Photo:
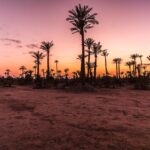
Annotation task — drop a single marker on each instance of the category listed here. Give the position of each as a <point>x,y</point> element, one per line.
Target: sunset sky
<point>124,29</point>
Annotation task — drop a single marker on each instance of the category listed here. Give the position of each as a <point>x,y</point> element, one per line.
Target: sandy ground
<point>111,119</point>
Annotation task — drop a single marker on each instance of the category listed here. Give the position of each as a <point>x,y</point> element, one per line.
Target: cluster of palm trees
<point>81,19</point>
<point>93,48</point>
<point>134,68</point>
<point>117,61</point>
<point>38,56</point>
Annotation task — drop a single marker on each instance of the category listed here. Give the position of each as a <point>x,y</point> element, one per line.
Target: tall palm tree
<point>129,64</point>
<point>141,63</point>
<point>38,56</point>
<point>35,67</point>
<point>133,67</point>
<point>134,57</point>
<point>115,60</point>
<point>22,68</point>
<point>105,54</point>
<point>119,62</point>
<point>46,46</point>
<point>82,20</point>
<point>89,43</point>
<point>56,61</point>
<point>140,56</point>
<point>96,50</point>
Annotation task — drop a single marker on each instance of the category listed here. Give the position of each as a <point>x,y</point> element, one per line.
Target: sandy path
<point>110,119</point>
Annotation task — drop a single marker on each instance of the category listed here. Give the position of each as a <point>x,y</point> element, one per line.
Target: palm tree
<point>140,56</point>
<point>52,70</point>
<point>56,61</point>
<point>35,67</point>
<point>129,64</point>
<point>140,66</point>
<point>134,57</point>
<point>66,73</point>
<point>7,72</point>
<point>119,62</point>
<point>22,68</point>
<point>38,56</point>
<point>115,60</point>
<point>75,75</point>
<point>43,72</point>
<point>59,73</point>
<point>148,57</point>
<point>133,66</point>
<point>105,54</point>
<point>96,50</point>
<point>82,20</point>
<point>46,46</point>
<point>88,43</point>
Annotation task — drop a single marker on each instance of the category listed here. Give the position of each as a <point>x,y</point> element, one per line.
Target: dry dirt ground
<point>110,119</point>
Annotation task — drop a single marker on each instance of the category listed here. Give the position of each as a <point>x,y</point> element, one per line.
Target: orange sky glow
<point>124,29</point>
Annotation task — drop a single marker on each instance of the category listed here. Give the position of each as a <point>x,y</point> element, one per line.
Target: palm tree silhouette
<point>89,43</point>
<point>66,73</point>
<point>35,67</point>
<point>140,56</point>
<point>105,54</point>
<point>46,46</point>
<point>134,57</point>
<point>22,68</point>
<point>119,62</point>
<point>43,72</point>
<point>38,56</point>
<point>133,66</point>
<point>56,61</point>
<point>96,50</point>
<point>140,66</point>
<point>115,60</point>
<point>7,72</point>
<point>59,73</point>
<point>82,20</point>
<point>129,64</point>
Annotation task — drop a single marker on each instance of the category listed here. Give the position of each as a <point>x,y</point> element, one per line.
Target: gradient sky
<point>124,29</point>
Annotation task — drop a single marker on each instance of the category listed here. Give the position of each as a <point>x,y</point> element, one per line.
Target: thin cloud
<point>7,44</point>
<point>19,46</point>
<point>11,40</point>
<point>32,46</point>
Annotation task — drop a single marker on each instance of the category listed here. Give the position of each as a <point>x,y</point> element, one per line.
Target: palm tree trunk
<point>88,74</point>
<point>83,59</point>
<point>48,69</point>
<point>106,66</point>
<point>141,65</point>
<point>135,69</point>
<point>38,70</point>
<point>95,67</point>
<point>119,70</point>
<point>56,70</point>
<point>130,70</point>
<point>35,71</point>
<point>116,70</point>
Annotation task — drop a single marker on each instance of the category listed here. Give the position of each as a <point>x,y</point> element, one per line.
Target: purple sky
<point>124,29</point>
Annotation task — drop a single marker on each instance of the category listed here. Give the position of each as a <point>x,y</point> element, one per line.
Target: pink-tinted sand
<point>110,119</point>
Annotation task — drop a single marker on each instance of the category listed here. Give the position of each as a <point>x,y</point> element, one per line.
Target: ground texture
<point>110,119</point>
